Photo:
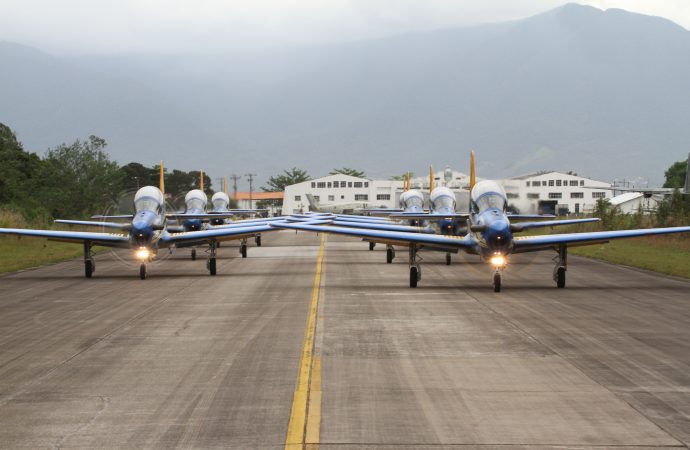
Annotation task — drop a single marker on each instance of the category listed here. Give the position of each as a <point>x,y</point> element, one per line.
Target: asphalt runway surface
<point>304,346</point>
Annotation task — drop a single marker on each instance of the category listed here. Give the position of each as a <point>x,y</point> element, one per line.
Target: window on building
<point>331,198</point>
<point>527,184</point>
<point>361,197</point>
<point>558,182</point>
<point>313,184</point>
<point>336,184</point>
<point>577,208</point>
<point>582,182</point>
<point>533,195</point>
<point>550,182</point>
<point>383,196</point>
<point>358,184</point>
<point>298,198</point>
<point>565,182</point>
<point>577,195</point>
<point>598,194</point>
<point>555,195</point>
<point>366,184</point>
<point>321,184</point>
<point>317,198</point>
<point>329,184</point>
<point>512,195</point>
<point>342,197</point>
<point>573,182</point>
<point>349,184</point>
<point>536,183</point>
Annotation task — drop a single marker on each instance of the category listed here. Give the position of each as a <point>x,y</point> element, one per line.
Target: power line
<point>234,179</point>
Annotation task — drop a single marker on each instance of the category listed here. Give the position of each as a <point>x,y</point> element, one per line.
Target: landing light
<point>498,260</point>
<point>142,253</point>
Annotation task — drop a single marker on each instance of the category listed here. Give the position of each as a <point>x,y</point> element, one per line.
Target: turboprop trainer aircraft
<point>489,235</point>
<point>145,235</point>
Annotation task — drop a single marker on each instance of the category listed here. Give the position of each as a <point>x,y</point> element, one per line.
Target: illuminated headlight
<point>498,260</point>
<point>143,253</point>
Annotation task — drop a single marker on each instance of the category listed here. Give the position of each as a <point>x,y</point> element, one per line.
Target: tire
<point>193,254</point>
<point>243,250</point>
<point>212,266</point>
<point>88,268</point>
<point>413,277</point>
<point>447,259</point>
<point>371,246</point>
<point>497,282</point>
<point>142,271</point>
<point>560,277</point>
<point>257,239</point>
<point>389,255</point>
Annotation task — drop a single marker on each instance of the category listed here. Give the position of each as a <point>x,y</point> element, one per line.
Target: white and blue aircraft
<point>489,235</point>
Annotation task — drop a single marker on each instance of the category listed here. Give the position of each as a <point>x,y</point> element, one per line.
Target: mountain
<point>603,93</point>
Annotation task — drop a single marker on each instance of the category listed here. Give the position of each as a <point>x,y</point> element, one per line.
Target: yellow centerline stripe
<point>309,376</point>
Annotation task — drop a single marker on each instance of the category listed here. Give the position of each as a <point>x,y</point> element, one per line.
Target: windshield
<point>490,201</point>
<point>195,203</point>
<point>219,203</point>
<point>414,201</point>
<point>444,201</point>
<point>146,203</point>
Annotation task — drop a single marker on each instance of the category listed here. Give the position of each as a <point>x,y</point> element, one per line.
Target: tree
<point>136,175</point>
<point>675,175</point>
<point>19,172</point>
<point>348,171</point>
<point>402,177</point>
<point>288,177</point>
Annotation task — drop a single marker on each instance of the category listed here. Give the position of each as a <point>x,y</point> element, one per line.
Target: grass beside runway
<point>23,253</point>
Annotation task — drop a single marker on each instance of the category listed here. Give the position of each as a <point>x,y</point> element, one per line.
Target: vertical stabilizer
<point>686,188</point>
<point>201,180</point>
<point>313,204</point>
<point>431,178</point>
<point>225,185</point>
<point>161,181</point>
<point>473,178</point>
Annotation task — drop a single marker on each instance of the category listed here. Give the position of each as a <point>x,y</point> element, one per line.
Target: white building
<point>554,193</point>
<point>632,202</point>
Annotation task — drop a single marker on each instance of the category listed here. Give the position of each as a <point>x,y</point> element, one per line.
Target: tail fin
<point>225,185</point>
<point>431,178</point>
<point>313,204</point>
<point>201,180</point>
<point>687,177</point>
<point>161,181</point>
<point>473,178</point>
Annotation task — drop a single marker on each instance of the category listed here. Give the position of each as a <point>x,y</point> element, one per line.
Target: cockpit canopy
<point>220,200</point>
<point>411,198</point>
<point>488,194</point>
<point>442,197</point>
<point>195,199</point>
<point>148,198</point>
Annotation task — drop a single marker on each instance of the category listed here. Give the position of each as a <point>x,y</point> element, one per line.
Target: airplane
<point>489,235</point>
<point>334,208</point>
<point>145,234</point>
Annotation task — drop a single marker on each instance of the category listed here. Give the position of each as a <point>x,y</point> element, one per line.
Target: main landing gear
<point>193,254</point>
<point>448,259</point>
<point>497,280</point>
<point>561,266</point>
<point>89,262</point>
<point>371,246</point>
<point>390,254</point>
<point>415,268</point>
<point>211,263</point>
<point>257,240</point>
<point>243,248</point>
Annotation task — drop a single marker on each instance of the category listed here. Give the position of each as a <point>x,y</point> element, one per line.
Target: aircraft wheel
<point>371,246</point>
<point>257,239</point>
<point>217,244</point>
<point>560,277</point>
<point>193,254</point>
<point>497,282</point>
<point>414,274</point>
<point>142,271</point>
<point>389,255</point>
<point>212,266</point>
<point>88,268</point>
<point>447,259</point>
<point>243,250</point>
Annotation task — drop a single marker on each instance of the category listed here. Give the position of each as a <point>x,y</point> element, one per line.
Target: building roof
<point>624,198</point>
<point>546,172</point>
<point>260,196</point>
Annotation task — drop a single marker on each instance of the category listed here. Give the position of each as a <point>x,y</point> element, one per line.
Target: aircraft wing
<point>404,238</point>
<point>78,237</point>
<point>382,226</point>
<point>521,217</point>
<point>429,216</point>
<point>121,216</point>
<point>549,223</point>
<point>533,243</point>
<point>96,223</point>
<point>209,216</point>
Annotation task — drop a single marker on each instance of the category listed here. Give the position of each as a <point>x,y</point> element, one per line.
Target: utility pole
<point>234,184</point>
<point>251,186</point>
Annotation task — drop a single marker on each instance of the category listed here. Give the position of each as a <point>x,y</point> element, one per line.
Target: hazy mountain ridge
<point>599,92</point>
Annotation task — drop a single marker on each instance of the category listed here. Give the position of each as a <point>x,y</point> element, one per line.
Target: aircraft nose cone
<point>499,236</point>
<point>141,231</point>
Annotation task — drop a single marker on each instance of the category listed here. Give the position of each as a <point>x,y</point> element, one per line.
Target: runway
<point>185,360</point>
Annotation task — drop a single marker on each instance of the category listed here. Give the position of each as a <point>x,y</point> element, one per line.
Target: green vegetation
<point>675,175</point>
<point>278,183</point>
<point>348,171</point>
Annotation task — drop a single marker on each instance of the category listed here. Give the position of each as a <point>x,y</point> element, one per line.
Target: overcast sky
<point>97,26</point>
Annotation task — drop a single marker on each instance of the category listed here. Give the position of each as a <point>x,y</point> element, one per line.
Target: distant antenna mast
<point>234,179</point>
<point>251,186</point>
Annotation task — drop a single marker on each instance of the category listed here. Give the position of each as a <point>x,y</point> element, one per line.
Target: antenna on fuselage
<point>431,179</point>
<point>473,178</point>
<point>161,181</point>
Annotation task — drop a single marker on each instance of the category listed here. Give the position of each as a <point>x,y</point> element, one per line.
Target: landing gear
<point>211,263</point>
<point>447,259</point>
<point>415,269</point>
<point>371,246</point>
<point>142,271</point>
<point>243,248</point>
<point>193,254</point>
<point>497,281</point>
<point>257,240</point>
<point>390,254</point>
<point>561,266</point>
<point>89,263</point>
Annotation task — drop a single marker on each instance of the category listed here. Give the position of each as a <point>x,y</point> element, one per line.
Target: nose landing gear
<point>415,268</point>
<point>561,266</point>
<point>89,262</point>
<point>497,281</point>
<point>390,254</point>
<point>211,263</point>
<point>142,271</point>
